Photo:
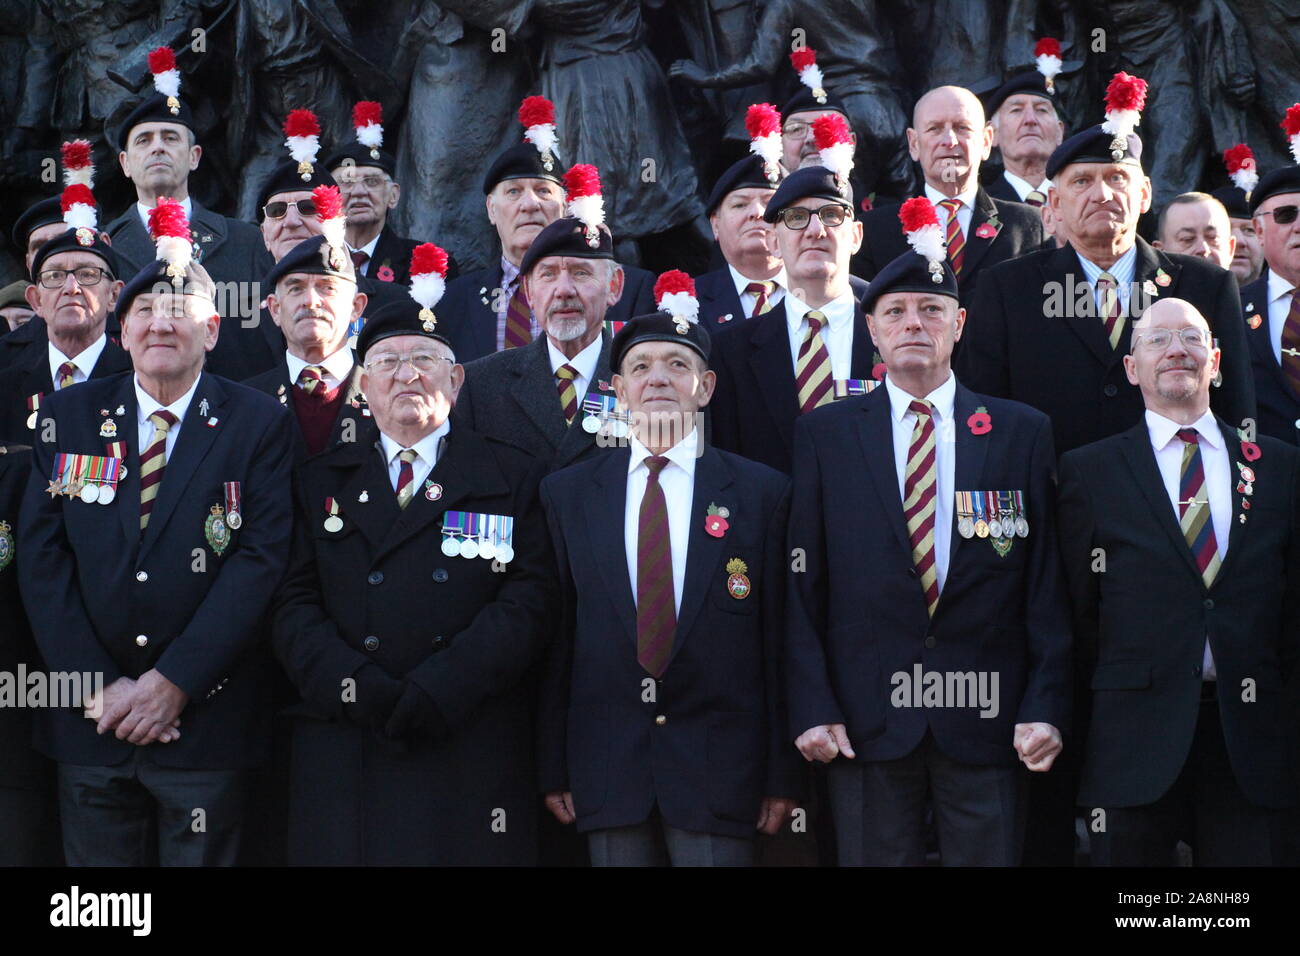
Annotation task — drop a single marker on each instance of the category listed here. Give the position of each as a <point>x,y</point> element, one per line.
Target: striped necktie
<point>359,259</point>
<point>953,235</point>
<point>1194,507</point>
<point>67,375</point>
<point>919,483</point>
<point>406,477</point>
<point>812,367</point>
<point>152,462</point>
<point>564,376</point>
<point>311,379</point>
<point>1035,198</point>
<point>519,322</point>
<point>1291,344</point>
<point>761,292</point>
<point>1109,305</point>
<point>656,613</point>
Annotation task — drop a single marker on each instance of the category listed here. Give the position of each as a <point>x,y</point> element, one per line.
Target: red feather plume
<point>802,58</point>
<point>673,281</point>
<point>1126,92</point>
<point>76,154</point>
<point>1237,157</point>
<point>329,202</point>
<point>367,112</point>
<point>301,123</point>
<point>830,129</point>
<point>161,59</point>
<point>1047,46</point>
<point>427,258</point>
<point>168,219</point>
<point>582,179</point>
<point>536,111</point>
<point>1291,122</point>
<point>917,213</point>
<point>74,194</point>
<point>762,119</point>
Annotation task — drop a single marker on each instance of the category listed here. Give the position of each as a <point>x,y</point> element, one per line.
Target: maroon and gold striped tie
<point>919,483</point>
<point>1291,343</point>
<point>152,462</point>
<point>67,375</point>
<point>760,291</point>
<point>953,235</point>
<point>1112,315</point>
<point>406,477</point>
<point>1035,198</point>
<point>1194,507</point>
<point>519,323</point>
<point>812,367</point>
<point>656,611</point>
<point>311,379</point>
<point>564,376</point>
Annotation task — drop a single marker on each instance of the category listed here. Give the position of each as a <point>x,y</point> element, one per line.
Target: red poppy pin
<point>1250,451</point>
<point>385,273</point>
<point>1255,321</point>
<point>715,521</point>
<point>980,422</point>
<point>868,202</point>
<point>986,230</point>
<point>1163,278</point>
<point>878,371</point>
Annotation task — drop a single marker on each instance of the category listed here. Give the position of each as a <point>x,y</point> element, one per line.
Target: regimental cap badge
<point>1125,97</point>
<point>368,120</point>
<point>166,78</point>
<point>675,294</point>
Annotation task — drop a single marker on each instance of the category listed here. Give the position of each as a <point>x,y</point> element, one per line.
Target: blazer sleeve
<point>811,699</point>
<point>981,355</point>
<point>1077,533</point>
<point>785,765</point>
<point>47,579</point>
<point>1048,688</point>
<point>230,618</point>
<point>508,635</point>
<point>1234,400</point>
<point>304,636</point>
<point>557,669</point>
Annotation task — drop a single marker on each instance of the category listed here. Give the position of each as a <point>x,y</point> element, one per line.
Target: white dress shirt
<point>147,405</point>
<point>1123,270</point>
<point>903,421</point>
<point>1279,305</point>
<point>85,361</point>
<point>963,214</point>
<point>426,450</point>
<point>747,299</point>
<point>1168,450</point>
<point>677,479</point>
<point>144,210</point>
<point>369,250</point>
<point>1023,188</point>
<point>836,331</point>
<point>338,367</point>
<point>584,363</point>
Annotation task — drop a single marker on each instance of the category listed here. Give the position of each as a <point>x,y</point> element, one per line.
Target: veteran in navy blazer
<point>902,581</point>
<point>161,588</point>
<point>759,396</point>
<point>662,714</point>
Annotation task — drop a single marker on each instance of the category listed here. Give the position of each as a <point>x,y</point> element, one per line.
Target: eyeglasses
<point>1159,339</point>
<point>422,362</point>
<point>370,182</point>
<point>796,129</point>
<point>278,209</point>
<point>798,217</point>
<point>1282,215</point>
<point>86,276</point>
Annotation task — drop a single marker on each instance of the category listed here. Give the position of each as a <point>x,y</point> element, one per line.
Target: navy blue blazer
<point>468,307</point>
<point>710,741</point>
<point>1278,406</point>
<point>755,403</point>
<point>719,304</point>
<point>93,585</point>
<point>857,613</point>
<point>231,250</point>
<point>30,375</point>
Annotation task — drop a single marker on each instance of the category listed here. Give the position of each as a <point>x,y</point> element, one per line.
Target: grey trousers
<point>879,810</point>
<point>655,843</point>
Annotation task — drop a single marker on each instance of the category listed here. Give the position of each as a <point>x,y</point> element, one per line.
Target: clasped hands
<point>139,711</point>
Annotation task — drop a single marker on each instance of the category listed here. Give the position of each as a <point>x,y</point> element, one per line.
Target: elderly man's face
<point>159,157</point>
<point>418,393</point>
<point>798,145</point>
<point>314,311</point>
<point>949,137</point>
<point>818,252</point>
<point>1280,241</point>
<point>1176,371</point>
<point>520,209</point>
<point>1248,257</point>
<point>915,331</point>
<point>570,295</point>
<point>1100,202</point>
<point>739,227</point>
<point>167,334</point>
<point>368,193</point>
<point>663,378</point>
<point>1199,229</point>
<point>71,309</point>
<point>281,235</point>
<point>1028,128</point>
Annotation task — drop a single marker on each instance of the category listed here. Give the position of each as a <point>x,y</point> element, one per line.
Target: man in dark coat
<point>370,192</point>
<point>1026,129</point>
<point>414,743</point>
<point>1194,708</point>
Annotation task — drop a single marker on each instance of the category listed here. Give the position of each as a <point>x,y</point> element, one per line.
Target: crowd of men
<point>956,528</point>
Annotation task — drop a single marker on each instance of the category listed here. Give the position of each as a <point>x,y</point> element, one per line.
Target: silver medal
<point>468,549</point>
<point>591,424</point>
<point>89,493</point>
<point>106,494</point>
<point>965,527</point>
<point>505,553</point>
<point>333,524</point>
<point>1022,528</point>
<point>450,547</point>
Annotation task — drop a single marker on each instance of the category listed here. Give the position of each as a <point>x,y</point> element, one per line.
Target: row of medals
<point>470,547</point>
<point>90,492</point>
<point>1010,525</point>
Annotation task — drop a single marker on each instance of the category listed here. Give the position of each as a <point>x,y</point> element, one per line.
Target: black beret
<point>657,327</point>
<point>816,182</point>
<point>44,213</point>
<point>522,161</point>
<point>803,101</point>
<point>362,156</point>
<point>312,257</point>
<point>83,239</point>
<point>1092,145</point>
<point>285,178</point>
<point>1026,81</point>
<point>566,237</point>
<point>910,272</point>
<point>154,110</point>
<point>1234,200</point>
<point>152,275</point>
<point>399,317</point>
<point>749,173</point>
<point>1275,182</point>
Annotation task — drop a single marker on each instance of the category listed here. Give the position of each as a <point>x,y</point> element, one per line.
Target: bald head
<point>949,138</point>
<point>1169,313</point>
<point>1171,359</point>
